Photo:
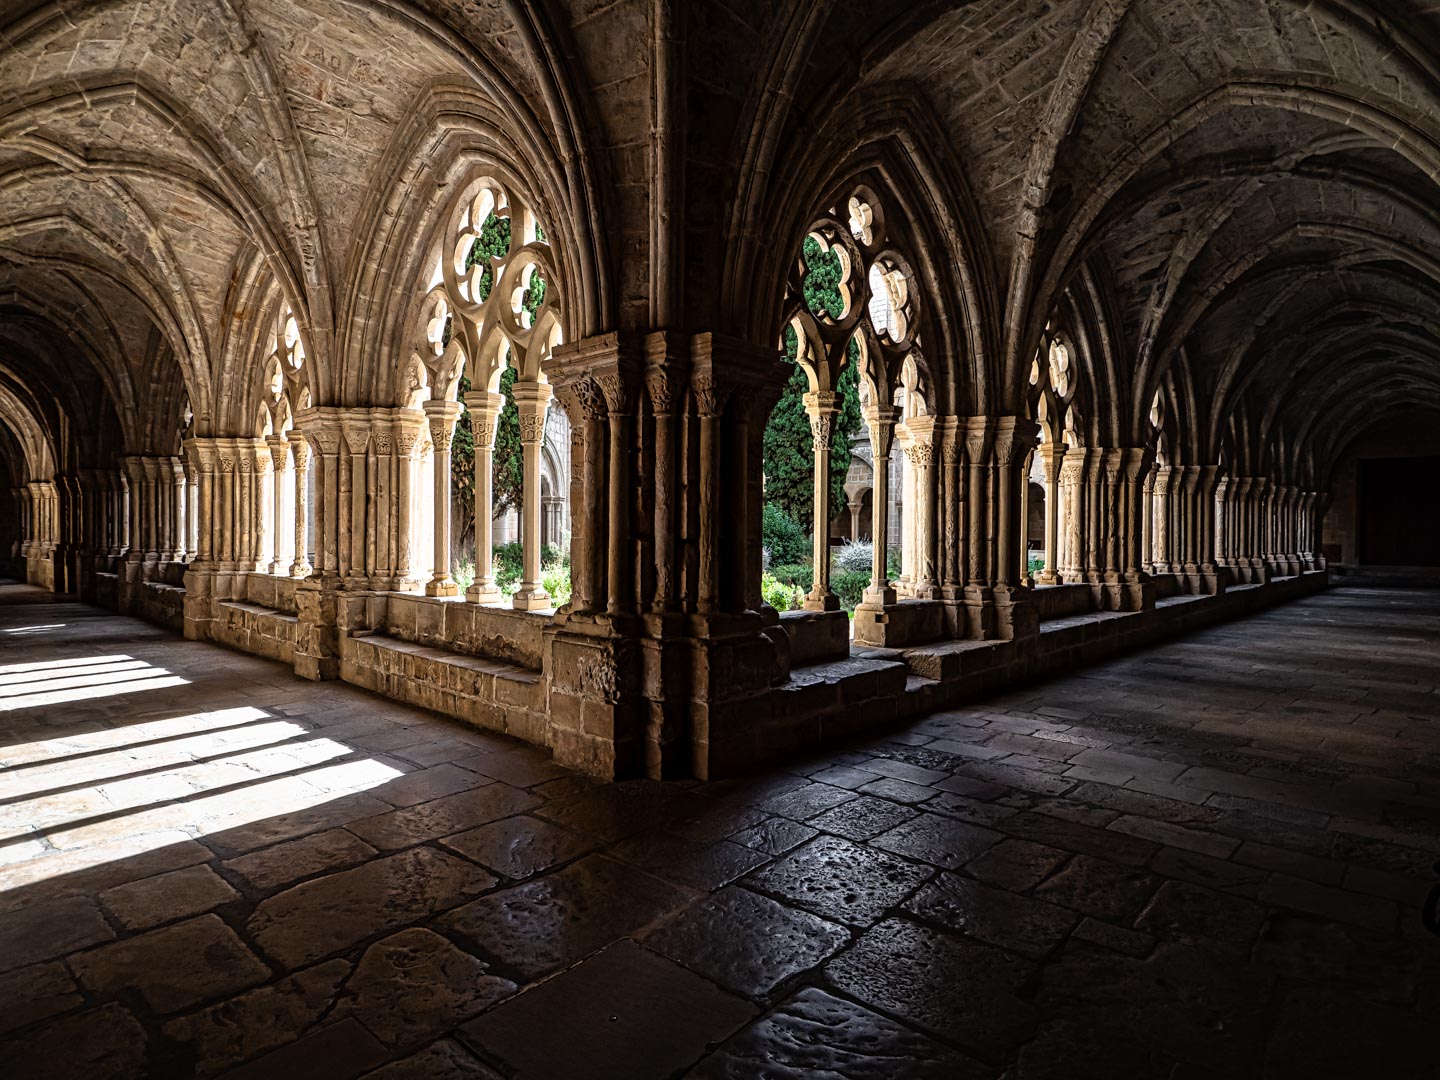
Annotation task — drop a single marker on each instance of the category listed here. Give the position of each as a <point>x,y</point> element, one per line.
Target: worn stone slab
<point>284,863</point>
<point>551,921</point>
<point>519,847</point>
<point>413,985</point>
<point>841,880</point>
<point>45,931</point>
<point>628,1014</point>
<point>746,942</point>
<point>416,824</point>
<point>1020,924</point>
<point>142,904</point>
<point>34,993</point>
<point>225,1035</point>
<point>326,915</point>
<point>815,1034</point>
<point>909,971</point>
<point>184,965</point>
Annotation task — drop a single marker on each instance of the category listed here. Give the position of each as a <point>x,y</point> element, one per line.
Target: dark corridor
<point>1399,514</point>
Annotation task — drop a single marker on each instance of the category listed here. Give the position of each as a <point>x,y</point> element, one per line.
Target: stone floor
<point>1206,860</point>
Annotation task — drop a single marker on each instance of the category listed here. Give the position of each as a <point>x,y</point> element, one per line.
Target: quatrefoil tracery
<point>500,290</point>
<point>879,301</point>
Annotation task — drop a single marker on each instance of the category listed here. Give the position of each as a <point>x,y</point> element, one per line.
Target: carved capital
<point>710,395</point>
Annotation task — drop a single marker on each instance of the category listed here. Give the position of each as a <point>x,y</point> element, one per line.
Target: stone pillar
<point>1051,460</point>
<point>282,553</point>
<point>442,416</point>
<point>979,602</point>
<point>920,453</point>
<point>300,449</point>
<point>881,422</point>
<point>663,384</point>
<point>180,507</point>
<point>533,401</point>
<point>822,407</point>
<point>710,398</point>
<point>485,408</point>
<point>950,430</point>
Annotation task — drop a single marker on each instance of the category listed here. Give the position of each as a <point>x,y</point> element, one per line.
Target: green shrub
<point>779,595</point>
<point>555,577</point>
<point>509,565</point>
<point>1036,565</point>
<point>785,542</point>
<point>850,587</point>
<point>797,575</point>
<point>464,573</point>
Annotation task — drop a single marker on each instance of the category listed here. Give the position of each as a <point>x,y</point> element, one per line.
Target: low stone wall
<point>1061,601</point>
<point>486,693</point>
<point>271,592</point>
<point>816,636</point>
<point>255,628</point>
<point>499,633</point>
<point>157,602</point>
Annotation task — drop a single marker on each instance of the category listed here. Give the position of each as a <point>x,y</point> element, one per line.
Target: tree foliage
<point>789,448</point>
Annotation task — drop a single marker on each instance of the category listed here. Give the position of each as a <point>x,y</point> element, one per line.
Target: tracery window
<point>487,330</point>
<point>1058,460</point>
<point>283,497</point>
<point>850,326</point>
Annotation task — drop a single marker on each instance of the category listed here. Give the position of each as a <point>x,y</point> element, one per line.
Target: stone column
<point>663,384</point>
<point>920,453</point>
<point>1051,460</point>
<point>616,384</point>
<point>181,507</point>
<point>300,448</point>
<point>822,407</point>
<point>485,408</point>
<point>282,494</point>
<point>881,422</point>
<point>442,416</point>
<point>710,398</point>
<point>409,426</point>
<point>951,433</point>
<point>262,501</point>
<point>532,400</point>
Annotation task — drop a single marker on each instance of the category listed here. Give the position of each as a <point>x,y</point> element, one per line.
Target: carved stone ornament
<point>822,427</point>
<point>532,427</point>
<point>591,398</point>
<point>441,434</point>
<point>384,443</point>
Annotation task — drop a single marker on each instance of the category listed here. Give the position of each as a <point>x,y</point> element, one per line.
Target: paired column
<point>282,506</point>
<point>880,419</point>
<point>822,407</point>
<point>300,450</point>
<point>533,400</point>
<point>442,416</point>
<point>485,408</point>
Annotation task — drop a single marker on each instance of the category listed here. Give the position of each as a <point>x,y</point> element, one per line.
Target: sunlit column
<point>880,420</point>
<point>532,399</point>
<point>282,492</point>
<point>485,408</point>
<point>920,453</point>
<point>442,416</point>
<point>1052,458</point>
<point>822,407</point>
<point>300,568</point>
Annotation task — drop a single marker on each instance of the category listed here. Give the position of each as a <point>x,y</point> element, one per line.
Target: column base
<point>534,598</point>
<point>896,625</point>
<point>818,601</point>
<point>484,594</point>
<point>874,597</point>
<point>442,588</point>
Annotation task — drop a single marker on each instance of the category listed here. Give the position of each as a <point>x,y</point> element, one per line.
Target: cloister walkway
<point>1208,859</point>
